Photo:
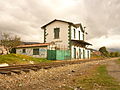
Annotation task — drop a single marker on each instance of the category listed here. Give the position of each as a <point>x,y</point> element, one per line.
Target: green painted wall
<point>58,54</point>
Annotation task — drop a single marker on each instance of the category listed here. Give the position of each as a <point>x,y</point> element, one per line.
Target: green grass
<point>100,80</point>
<point>118,61</point>
<point>94,56</point>
<point>20,59</point>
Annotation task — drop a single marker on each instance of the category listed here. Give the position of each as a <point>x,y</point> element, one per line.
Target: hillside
<point>113,49</point>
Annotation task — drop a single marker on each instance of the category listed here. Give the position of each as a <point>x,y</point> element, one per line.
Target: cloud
<point>103,17</point>
<point>25,17</point>
<point>110,42</point>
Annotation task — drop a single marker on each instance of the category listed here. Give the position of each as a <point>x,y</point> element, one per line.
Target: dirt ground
<point>52,79</point>
<point>114,70</point>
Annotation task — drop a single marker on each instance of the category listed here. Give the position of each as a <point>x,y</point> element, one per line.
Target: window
<point>83,36</point>
<point>24,51</point>
<point>35,51</point>
<point>56,33</point>
<point>83,54</point>
<point>79,35</point>
<point>74,33</point>
<point>80,53</point>
<point>88,55</point>
<point>74,53</point>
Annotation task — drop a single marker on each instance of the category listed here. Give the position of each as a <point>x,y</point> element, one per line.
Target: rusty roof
<point>33,45</point>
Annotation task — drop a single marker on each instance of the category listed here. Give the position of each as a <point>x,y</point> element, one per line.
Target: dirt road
<point>114,70</point>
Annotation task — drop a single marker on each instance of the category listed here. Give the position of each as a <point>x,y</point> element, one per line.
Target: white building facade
<point>69,36</point>
<point>34,50</point>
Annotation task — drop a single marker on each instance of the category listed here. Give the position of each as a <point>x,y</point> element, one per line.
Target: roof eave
<point>43,27</point>
<point>86,43</point>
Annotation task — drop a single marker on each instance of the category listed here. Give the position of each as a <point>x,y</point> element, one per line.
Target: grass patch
<point>94,56</point>
<point>20,59</point>
<point>98,80</point>
<point>118,61</point>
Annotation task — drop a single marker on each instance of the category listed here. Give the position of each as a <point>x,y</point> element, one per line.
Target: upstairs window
<point>56,33</point>
<point>79,35</point>
<point>80,53</point>
<point>24,51</point>
<point>83,36</point>
<point>74,33</point>
<point>35,51</point>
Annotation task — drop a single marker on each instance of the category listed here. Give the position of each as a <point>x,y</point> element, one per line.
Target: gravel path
<point>114,70</point>
<point>51,79</point>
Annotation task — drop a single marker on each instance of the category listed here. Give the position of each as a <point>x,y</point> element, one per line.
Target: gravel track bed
<point>46,79</point>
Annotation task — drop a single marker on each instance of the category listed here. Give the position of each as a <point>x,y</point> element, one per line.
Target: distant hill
<point>114,49</point>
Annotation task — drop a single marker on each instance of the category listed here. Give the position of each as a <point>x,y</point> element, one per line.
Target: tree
<point>114,54</point>
<point>9,42</point>
<point>117,54</point>
<point>104,51</point>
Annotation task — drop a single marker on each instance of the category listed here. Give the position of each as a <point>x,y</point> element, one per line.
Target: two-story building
<point>60,36</point>
<point>67,35</point>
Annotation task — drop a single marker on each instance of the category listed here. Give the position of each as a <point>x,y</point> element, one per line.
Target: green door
<point>80,53</point>
<point>88,55</point>
<point>74,53</point>
<point>83,54</point>
<point>51,54</point>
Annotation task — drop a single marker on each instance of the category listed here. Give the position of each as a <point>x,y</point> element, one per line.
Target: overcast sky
<point>25,17</point>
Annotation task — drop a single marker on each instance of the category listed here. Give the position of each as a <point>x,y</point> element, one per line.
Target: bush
<point>104,51</point>
<point>114,54</point>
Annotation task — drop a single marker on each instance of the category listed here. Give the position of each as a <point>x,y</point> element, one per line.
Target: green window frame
<point>83,54</point>
<point>79,35</point>
<point>74,33</point>
<point>80,53</point>
<point>36,51</point>
<point>88,54</point>
<point>83,36</point>
<point>56,33</point>
<point>74,53</point>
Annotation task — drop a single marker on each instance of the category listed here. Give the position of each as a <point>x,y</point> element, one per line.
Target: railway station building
<point>67,36</point>
<point>62,40</point>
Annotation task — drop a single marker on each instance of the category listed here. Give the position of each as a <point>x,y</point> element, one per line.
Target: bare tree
<point>9,42</point>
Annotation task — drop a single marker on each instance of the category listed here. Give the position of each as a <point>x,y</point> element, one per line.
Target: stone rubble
<point>46,79</point>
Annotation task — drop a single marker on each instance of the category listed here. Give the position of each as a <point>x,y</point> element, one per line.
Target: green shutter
<point>79,35</point>
<point>56,33</point>
<point>83,37</point>
<point>74,33</point>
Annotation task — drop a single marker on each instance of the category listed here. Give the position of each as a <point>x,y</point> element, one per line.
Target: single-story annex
<point>35,50</point>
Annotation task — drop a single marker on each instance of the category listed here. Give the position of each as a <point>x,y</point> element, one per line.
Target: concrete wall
<point>63,40</point>
<point>29,52</point>
<point>76,33</point>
